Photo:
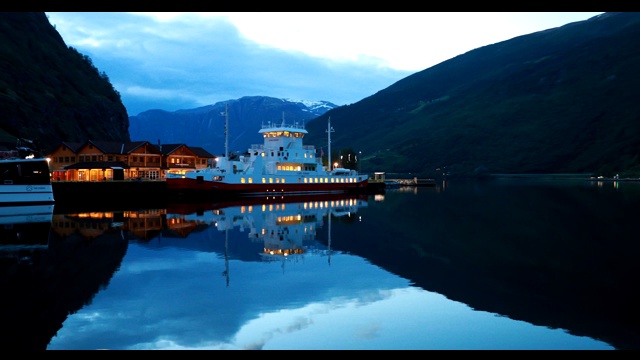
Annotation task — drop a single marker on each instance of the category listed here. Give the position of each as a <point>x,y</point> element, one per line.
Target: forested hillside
<point>564,100</point>
<point>50,92</point>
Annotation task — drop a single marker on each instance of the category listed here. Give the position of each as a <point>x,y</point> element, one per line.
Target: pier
<point>415,182</point>
<point>379,177</point>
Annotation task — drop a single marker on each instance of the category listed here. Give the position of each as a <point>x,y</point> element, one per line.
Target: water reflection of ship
<point>286,226</point>
<point>24,229</point>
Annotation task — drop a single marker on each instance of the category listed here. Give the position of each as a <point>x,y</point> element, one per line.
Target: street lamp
<point>49,167</point>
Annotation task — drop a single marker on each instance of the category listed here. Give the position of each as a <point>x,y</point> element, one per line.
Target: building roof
<point>115,147</point>
<point>201,152</point>
<point>73,146</point>
<point>167,149</point>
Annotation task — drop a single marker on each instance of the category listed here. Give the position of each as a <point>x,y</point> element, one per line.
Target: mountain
<point>563,100</point>
<point>50,92</point>
<point>205,126</point>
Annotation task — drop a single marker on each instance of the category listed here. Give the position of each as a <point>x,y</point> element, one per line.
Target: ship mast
<point>329,131</point>
<point>226,130</point>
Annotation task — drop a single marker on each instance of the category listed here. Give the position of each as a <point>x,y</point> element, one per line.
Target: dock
<point>415,182</point>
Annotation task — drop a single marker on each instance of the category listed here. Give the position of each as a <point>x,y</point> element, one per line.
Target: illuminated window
<point>264,181</point>
<point>270,180</point>
<point>242,180</point>
<point>283,180</point>
<point>250,180</point>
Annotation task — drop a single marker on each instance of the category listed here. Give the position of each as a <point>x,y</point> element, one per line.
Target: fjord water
<point>482,264</point>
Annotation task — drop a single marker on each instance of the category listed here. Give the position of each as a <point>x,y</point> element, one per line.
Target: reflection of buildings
<point>142,224</point>
<point>282,224</point>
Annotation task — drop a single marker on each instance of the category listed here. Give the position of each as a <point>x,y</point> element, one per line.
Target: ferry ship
<point>281,165</point>
<point>24,181</point>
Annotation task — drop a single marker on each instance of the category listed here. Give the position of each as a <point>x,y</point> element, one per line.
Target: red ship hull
<point>187,186</point>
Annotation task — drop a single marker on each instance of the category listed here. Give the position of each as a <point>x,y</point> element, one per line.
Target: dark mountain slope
<point>561,100</point>
<point>50,92</point>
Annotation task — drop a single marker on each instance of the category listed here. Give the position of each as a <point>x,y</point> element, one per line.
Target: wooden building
<point>140,160</point>
<point>179,158</point>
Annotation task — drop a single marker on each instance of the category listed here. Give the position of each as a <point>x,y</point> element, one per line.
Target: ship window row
<point>327,180</point>
<point>272,180</point>
<point>264,180</point>
<point>289,167</point>
<point>286,155</point>
<point>272,134</point>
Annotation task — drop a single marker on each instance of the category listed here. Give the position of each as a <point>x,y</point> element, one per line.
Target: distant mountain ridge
<point>204,126</point>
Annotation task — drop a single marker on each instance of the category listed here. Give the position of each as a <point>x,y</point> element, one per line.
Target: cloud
<point>174,61</point>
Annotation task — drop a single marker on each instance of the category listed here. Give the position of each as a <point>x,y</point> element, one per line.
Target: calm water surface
<point>496,264</point>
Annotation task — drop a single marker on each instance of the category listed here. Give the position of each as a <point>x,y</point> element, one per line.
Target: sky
<point>173,61</point>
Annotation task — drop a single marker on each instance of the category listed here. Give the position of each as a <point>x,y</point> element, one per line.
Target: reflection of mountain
<point>526,254</point>
<point>45,277</point>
